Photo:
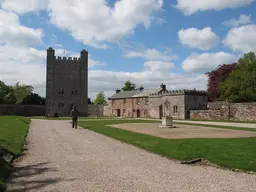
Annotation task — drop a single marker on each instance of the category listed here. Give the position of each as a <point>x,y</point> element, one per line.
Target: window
<point>145,112</point>
<point>138,101</point>
<point>146,101</point>
<point>123,111</point>
<point>175,109</point>
<point>113,102</point>
<point>74,92</point>
<point>61,105</point>
<point>61,92</point>
<point>113,111</point>
<point>125,102</point>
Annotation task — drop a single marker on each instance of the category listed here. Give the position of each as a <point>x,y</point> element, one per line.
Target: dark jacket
<point>74,113</point>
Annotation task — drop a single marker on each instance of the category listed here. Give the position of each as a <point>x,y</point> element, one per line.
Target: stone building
<point>155,103</point>
<point>66,84</point>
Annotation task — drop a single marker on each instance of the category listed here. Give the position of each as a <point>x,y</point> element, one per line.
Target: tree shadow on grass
<point>25,178</point>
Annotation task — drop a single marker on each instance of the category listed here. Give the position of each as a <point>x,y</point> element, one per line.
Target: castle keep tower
<point>66,84</point>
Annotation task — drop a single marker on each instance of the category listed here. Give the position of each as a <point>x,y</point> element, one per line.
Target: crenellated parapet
<point>67,58</point>
<point>179,92</point>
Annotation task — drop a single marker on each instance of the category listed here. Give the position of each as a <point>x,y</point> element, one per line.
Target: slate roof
<point>147,92</point>
<point>135,93</point>
<point>124,94</point>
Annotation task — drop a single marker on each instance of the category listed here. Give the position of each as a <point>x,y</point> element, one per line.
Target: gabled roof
<point>124,94</point>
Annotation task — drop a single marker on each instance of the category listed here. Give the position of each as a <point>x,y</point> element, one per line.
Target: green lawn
<point>13,131</point>
<point>230,153</point>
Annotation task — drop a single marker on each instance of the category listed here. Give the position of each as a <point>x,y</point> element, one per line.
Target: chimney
<point>118,90</point>
<point>162,86</point>
<point>141,88</point>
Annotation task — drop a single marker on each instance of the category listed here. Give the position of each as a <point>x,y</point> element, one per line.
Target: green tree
<point>129,86</point>
<point>100,98</point>
<point>21,91</point>
<point>7,95</point>
<point>33,99</point>
<point>240,86</point>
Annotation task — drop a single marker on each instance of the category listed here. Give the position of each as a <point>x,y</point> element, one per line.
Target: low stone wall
<point>227,111</point>
<point>22,110</point>
<point>208,115</point>
<point>95,110</point>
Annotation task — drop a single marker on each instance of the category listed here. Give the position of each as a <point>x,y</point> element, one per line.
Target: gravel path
<point>62,159</point>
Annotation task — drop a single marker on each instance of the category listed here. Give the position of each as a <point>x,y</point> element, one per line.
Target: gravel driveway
<point>62,159</point>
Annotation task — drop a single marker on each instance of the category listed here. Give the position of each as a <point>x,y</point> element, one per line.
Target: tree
<point>21,91</point>
<point>240,86</point>
<point>217,76</point>
<point>33,99</point>
<point>7,95</point>
<point>100,98</point>
<point>129,86</point>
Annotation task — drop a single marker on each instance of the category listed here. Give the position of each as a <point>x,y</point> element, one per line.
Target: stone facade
<point>66,84</point>
<point>226,111</point>
<point>155,105</point>
<point>22,110</point>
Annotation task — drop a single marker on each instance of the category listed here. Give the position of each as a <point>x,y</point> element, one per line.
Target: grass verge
<point>13,131</point>
<point>236,153</point>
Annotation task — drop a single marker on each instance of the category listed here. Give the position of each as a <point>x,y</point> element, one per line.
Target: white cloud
<point>189,7</point>
<point>158,66</point>
<point>150,54</point>
<point>242,39</point>
<point>203,39</point>
<point>242,20</point>
<point>12,32</point>
<point>22,7</point>
<point>110,24</point>
<point>207,61</point>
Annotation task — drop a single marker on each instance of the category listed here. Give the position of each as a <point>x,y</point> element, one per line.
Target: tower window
<point>72,92</point>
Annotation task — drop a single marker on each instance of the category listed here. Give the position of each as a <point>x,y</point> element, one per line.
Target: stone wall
<point>226,111</point>
<point>22,110</point>
<point>95,110</point>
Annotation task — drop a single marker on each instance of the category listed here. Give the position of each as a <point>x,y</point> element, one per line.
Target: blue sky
<point>148,42</point>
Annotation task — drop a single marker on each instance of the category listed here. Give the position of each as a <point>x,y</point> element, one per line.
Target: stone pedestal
<point>167,122</point>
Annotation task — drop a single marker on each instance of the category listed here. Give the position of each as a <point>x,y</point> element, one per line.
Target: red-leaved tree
<point>217,76</point>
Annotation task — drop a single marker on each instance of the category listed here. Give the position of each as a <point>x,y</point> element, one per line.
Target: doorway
<point>138,113</point>
<point>160,111</point>
<point>118,113</point>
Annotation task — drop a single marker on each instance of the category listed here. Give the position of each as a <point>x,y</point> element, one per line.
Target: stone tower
<point>66,84</point>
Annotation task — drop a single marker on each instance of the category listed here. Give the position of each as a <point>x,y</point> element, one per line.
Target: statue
<point>167,118</point>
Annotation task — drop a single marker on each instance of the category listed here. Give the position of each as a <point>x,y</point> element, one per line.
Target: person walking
<point>74,114</point>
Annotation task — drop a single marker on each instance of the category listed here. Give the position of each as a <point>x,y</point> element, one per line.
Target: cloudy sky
<point>147,41</point>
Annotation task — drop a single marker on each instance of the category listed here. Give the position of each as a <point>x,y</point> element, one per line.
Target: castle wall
<point>95,110</point>
<point>22,110</point>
